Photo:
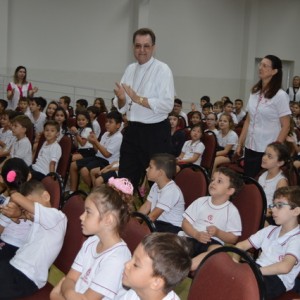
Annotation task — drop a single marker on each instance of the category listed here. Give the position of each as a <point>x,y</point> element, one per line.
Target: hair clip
<point>11,176</point>
<point>121,184</point>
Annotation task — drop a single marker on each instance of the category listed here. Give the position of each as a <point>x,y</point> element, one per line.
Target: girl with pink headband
<point>98,268</point>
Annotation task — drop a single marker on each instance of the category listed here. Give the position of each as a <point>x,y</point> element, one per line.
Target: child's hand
<point>212,230</point>
<point>73,130</point>
<point>193,107</point>
<point>12,211</point>
<point>202,237</point>
<point>35,89</point>
<point>92,138</point>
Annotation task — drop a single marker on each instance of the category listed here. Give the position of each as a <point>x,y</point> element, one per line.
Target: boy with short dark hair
<point>218,107</point>
<point>28,270</point>
<point>228,109</point>
<point>22,147</point>
<point>50,152</point>
<point>3,105</point>
<point>108,151</point>
<point>280,244</point>
<point>23,105</point>
<point>159,263</point>
<point>64,102</point>
<point>211,221</point>
<point>240,113</point>
<point>206,109</point>
<point>36,114</point>
<point>165,202</point>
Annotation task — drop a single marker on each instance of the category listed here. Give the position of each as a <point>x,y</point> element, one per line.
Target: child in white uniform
<point>212,221</point>
<point>275,157</point>
<point>28,270</point>
<point>6,136</point>
<point>279,260</point>
<point>108,152</point>
<point>98,267</point>
<point>36,115</point>
<point>12,235</point>
<point>159,263</point>
<point>49,154</point>
<point>227,141</point>
<point>165,202</point>
<point>81,133</point>
<point>22,148</point>
<point>192,150</point>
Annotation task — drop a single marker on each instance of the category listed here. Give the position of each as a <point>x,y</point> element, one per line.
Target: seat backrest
<point>219,277</point>
<point>134,231</point>
<point>101,118</point>
<point>208,157</point>
<point>74,238</point>
<point>53,185</point>
<point>181,123</point>
<point>63,165</point>
<point>251,204</point>
<point>193,184</point>
<point>39,146</point>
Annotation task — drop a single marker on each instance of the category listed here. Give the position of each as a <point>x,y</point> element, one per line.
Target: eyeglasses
<point>263,65</point>
<point>209,119</point>
<point>280,205</point>
<point>139,46</point>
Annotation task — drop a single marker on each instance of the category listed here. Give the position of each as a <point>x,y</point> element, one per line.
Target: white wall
<point>210,45</point>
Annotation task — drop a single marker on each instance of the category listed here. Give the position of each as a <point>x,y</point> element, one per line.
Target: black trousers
<point>13,283</point>
<point>252,164</point>
<point>140,142</point>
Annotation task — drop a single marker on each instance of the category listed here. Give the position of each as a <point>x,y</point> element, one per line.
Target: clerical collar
<point>148,63</point>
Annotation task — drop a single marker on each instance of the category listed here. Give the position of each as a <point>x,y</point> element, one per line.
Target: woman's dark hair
<point>14,173</point>
<point>276,81</point>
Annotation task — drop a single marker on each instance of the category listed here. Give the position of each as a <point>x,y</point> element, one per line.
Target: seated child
<point>239,112</point>
<point>49,154</point>
<point>23,105</point>
<point>192,150</point>
<point>6,136</point>
<point>22,147</point>
<point>177,135</point>
<point>275,157</point>
<point>165,203</point>
<point>280,244</point>
<point>228,109</point>
<point>212,221</point>
<point>28,270</point>
<point>81,133</point>
<point>97,270</point>
<point>159,263</point>
<point>227,141</point>
<point>36,114</point>
<point>12,234</point>
<point>211,123</point>
<point>94,112</point>
<point>108,151</point>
